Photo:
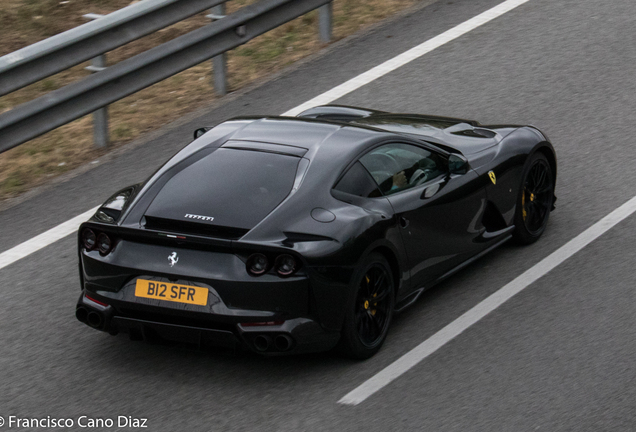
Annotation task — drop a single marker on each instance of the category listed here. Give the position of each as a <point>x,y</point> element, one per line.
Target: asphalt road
<point>558,356</point>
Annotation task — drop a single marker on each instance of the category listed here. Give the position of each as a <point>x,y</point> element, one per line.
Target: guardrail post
<point>100,117</point>
<point>219,63</point>
<point>324,22</point>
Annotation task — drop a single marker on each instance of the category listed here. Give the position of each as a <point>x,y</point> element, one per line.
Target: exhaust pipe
<point>262,343</point>
<point>94,319</point>
<point>81,313</point>
<point>283,342</point>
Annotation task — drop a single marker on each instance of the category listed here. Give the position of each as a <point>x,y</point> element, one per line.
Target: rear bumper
<point>307,316</point>
<point>147,322</point>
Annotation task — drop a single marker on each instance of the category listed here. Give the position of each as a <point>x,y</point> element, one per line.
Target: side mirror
<point>457,164</point>
<point>200,132</point>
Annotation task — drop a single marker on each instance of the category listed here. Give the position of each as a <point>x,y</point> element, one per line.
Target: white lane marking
<point>492,302</point>
<point>46,238</point>
<point>64,229</point>
<point>406,57</point>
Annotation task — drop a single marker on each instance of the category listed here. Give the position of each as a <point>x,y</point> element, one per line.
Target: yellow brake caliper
<point>523,204</point>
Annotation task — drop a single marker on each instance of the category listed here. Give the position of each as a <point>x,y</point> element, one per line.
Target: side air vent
<point>492,219</point>
<point>183,227</point>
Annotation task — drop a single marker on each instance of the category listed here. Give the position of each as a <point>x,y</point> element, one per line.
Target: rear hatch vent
<point>476,133</point>
<point>194,228</point>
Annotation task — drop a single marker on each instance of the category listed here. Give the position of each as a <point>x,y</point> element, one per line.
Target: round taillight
<point>257,264</point>
<point>103,243</point>
<point>286,265</point>
<point>89,239</point>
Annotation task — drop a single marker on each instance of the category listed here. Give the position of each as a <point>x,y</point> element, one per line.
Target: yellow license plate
<point>171,292</point>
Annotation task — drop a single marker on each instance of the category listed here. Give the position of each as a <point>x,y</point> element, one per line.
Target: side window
<point>397,167</point>
<point>358,182</point>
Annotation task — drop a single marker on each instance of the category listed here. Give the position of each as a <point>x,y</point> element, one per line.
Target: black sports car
<point>289,235</point>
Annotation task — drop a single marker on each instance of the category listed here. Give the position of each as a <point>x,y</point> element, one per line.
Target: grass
<point>24,22</point>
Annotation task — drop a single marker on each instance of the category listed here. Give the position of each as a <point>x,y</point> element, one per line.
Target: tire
<point>534,200</point>
<point>367,321</point>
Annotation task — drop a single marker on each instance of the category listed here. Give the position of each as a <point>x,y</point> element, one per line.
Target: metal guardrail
<point>73,101</point>
<point>72,47</point>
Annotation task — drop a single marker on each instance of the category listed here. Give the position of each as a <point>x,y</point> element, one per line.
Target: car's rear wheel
<point>368,318</point>
<point>534,202</point>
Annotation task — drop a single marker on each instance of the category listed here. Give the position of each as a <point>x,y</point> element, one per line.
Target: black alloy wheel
<point>535,200</point>
<point>372,303</point>
<point>368,319</point>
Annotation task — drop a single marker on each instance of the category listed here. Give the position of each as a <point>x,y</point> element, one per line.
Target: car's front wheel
<point>368,318</point>
<point>535,199</point>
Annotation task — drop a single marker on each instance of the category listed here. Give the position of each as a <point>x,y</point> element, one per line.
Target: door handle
<point>404,222</point>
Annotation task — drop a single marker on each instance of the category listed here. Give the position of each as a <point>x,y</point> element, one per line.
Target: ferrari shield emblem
<point>493,179</point>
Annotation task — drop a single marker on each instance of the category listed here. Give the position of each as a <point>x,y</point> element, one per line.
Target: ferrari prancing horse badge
<point>491,174</point>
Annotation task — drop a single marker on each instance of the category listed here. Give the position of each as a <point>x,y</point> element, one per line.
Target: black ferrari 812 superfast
<point>302,234</point>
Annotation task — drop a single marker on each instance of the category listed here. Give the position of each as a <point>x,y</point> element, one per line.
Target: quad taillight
<point>284,265</point>
<point>102,242</point>
<point>257,264</point>
<point>89,239</point>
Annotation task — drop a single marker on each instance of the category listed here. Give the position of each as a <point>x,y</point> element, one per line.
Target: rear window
<point>237,188</point>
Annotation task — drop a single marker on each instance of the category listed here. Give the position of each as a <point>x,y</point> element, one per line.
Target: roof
<point>450,134</point>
